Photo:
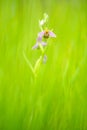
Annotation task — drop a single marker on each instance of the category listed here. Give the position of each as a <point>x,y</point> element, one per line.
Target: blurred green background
<point>57,100</point>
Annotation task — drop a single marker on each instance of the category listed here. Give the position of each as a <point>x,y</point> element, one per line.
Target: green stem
<point>29,64</point>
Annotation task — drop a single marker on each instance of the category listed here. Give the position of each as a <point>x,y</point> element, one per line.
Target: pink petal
<point>35,46</point>
<point>43,44</point>
<point>51,34</point>
<point>40,36</point>
<point>44,59</point>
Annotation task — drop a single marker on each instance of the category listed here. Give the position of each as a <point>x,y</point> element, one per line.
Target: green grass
<point>57,99</point>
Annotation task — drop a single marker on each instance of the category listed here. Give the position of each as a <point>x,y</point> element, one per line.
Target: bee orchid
<point>44,34</point>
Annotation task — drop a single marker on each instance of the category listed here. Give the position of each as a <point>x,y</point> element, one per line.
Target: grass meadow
<point>57,98</point>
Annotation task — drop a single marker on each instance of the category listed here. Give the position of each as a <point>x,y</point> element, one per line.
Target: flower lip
<point>46,34</point>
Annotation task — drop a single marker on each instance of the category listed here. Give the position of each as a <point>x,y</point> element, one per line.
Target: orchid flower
<point>44,34</point>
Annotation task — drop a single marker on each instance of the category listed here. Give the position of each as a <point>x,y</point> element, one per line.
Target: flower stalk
<point>41,44</point>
